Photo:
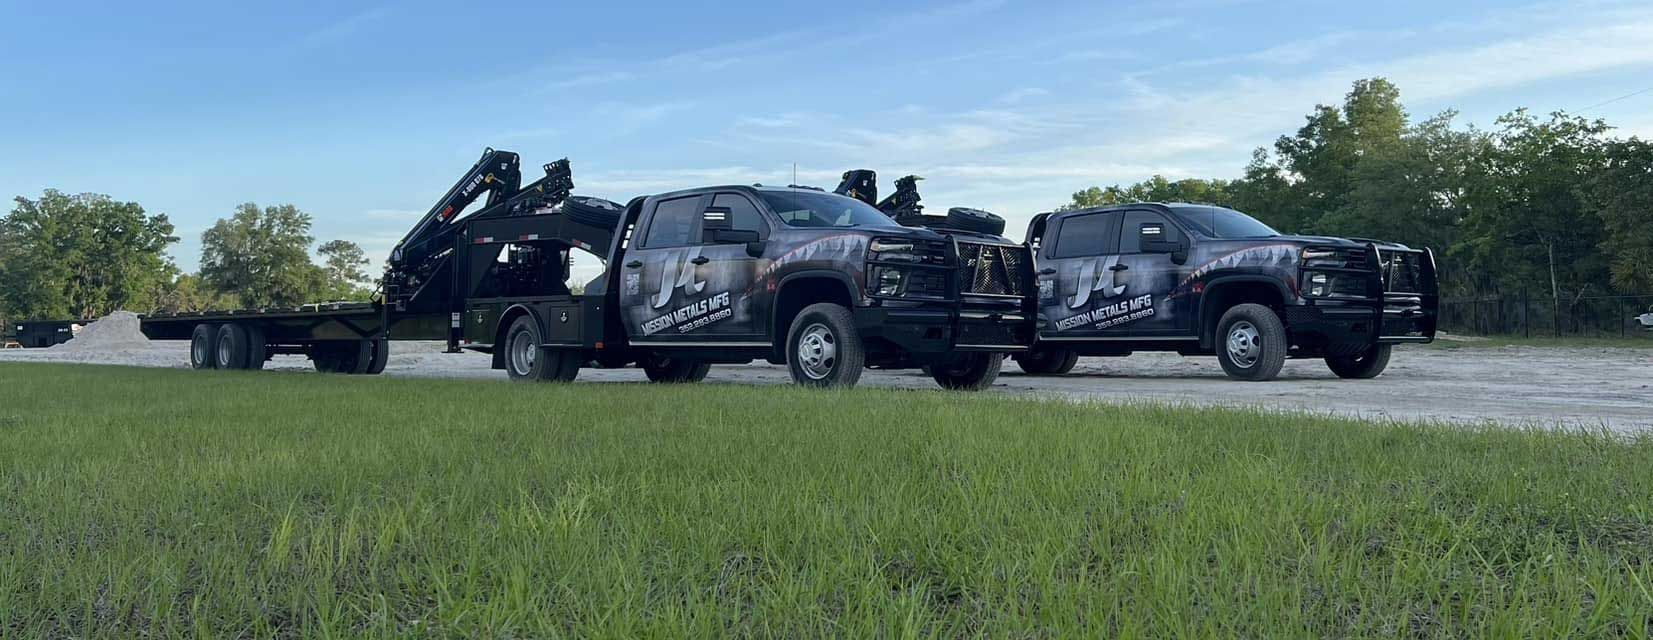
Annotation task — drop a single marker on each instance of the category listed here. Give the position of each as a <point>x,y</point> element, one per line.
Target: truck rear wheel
<point>675,370</point>
<point>1362,366</point>
<point>823,348</point>
<point>526,360</point>
<point>969,371</point>
<point>1047,361</point>
<point>1251,342</point>
<point>203,347</point>
<point>232,347</point>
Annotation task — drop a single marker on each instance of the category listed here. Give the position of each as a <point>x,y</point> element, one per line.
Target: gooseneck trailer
<point>822,283</point>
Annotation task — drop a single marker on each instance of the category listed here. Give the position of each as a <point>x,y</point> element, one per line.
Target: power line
<point>1608,102</point>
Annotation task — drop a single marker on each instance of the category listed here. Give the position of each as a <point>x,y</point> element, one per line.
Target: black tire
<point>596,212</point>
<point>668,370</point>
<point>348,357</point>
<point>1047,361</point>
<point>975,220</point>
<point>381,357</point>
<point>969,371</point>
<point>1363,366</point>
<point>203,347</point>
<point>1251,343</point>
<point>525,359</point>
<point>258,352</point>
<point>232,347</point>
<point>823,347</point>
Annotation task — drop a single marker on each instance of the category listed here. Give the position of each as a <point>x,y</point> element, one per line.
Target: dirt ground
<point>1543,386</point>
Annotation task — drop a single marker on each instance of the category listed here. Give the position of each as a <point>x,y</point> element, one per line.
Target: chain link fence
<point>1536,315</point>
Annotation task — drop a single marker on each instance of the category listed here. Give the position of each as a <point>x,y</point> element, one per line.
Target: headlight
<point>887,245</point>
<point>1321,258</point>
<point>888,281</point>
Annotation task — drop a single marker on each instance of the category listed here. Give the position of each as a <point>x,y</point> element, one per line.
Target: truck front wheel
<point>823,348</point>
<point>1251,342</point>
<point>1363,365</point>
<point>968,372</point>
<point>1047,361</point>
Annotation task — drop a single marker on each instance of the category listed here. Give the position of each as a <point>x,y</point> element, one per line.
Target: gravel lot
<point>1543,386</point>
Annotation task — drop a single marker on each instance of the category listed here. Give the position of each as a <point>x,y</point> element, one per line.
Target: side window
<point>1130,233</point>
<point>743,215</point>
<point>673,223</point>
<point>1081,236</point>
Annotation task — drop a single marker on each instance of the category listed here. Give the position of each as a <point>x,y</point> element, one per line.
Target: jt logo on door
<point>1098,275</point>
<point>678,273</point>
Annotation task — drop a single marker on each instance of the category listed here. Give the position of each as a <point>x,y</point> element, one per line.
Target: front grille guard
<point>1405,281</point>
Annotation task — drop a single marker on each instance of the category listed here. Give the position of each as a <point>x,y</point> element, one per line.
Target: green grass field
<point>177,503</point>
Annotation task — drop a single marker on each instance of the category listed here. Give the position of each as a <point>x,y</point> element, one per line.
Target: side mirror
<point>1153,237</point>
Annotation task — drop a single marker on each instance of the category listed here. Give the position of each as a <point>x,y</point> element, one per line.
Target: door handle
<point>1118,267</point>
<point>700,260</point>
<point>634,264</point>
<point>1047,271</point>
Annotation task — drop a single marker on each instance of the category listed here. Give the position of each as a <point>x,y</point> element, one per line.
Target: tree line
<point>1555,204</point>
<point>82,256</point>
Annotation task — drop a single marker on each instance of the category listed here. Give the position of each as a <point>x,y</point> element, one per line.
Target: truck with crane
<point>823,283</point>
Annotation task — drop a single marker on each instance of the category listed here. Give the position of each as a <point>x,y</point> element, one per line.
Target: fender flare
<point>506,319</point>
<point>842,278</point>
<point>1204,312</point>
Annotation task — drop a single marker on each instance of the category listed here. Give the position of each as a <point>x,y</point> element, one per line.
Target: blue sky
<point>363,114</point>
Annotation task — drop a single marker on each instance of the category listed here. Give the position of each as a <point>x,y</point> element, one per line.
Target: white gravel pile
<point>118,331</point>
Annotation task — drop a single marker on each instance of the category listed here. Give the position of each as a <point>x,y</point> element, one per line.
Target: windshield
<point>816,209</point>
<point>1221,224</point>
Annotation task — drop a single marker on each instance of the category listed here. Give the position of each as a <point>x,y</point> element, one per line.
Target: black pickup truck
<point>1204,280</point>
<point>822,283</point>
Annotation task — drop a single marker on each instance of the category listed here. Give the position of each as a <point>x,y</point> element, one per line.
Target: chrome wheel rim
<point>523,353</point>
<point>200,347</point>
<point>224,352</point>
<point>1244,344</point>
<point>817,351</point>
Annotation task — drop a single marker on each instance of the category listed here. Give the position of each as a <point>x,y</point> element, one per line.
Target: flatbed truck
<point>819,282</point>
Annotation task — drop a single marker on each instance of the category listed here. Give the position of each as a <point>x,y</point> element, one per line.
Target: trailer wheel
<point>968,371</point>
<point>596,212</point>
<point>1047,361</point>
<point>381,357</point>
<point>203,347</point>
<point>1251,342</point>
<point>352,357</point>
<point>1363,366</point>
<point>667,370</point>
<point>257,350</point>
<point>823,348</point>
<point>232,347</point>
<point>975,220</point>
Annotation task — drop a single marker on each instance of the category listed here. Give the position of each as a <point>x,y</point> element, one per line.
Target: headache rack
<point>992,269</point>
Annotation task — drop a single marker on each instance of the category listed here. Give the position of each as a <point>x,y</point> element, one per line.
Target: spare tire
<point>596,212</point>
<point>967,219</point>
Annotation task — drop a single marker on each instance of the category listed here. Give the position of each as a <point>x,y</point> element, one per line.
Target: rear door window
<point>673,223</point>
<point>1085,235</point>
